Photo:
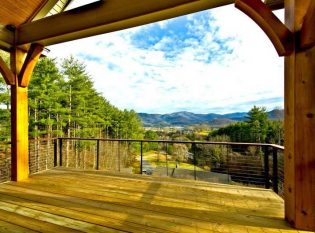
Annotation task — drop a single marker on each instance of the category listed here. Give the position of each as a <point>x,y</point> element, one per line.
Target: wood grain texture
<point>299,124</point>
<point>17,12</point>
<point>107,16</point>
<point>307,32</point>
<point>100,201</point>
<point>31,60</point>
<point>19,121</point>
<point>7,74</point>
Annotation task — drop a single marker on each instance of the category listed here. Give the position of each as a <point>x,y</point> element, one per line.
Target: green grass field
<point>159,160</point>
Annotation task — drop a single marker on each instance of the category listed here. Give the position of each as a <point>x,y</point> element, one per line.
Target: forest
<point>63,102</point>
<point>257,128</point>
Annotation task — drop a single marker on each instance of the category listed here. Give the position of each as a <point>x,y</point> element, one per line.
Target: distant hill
<point>220,122</point>
<point>189,118</point>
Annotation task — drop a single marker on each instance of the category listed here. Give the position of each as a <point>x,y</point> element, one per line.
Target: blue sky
<point>212,61</point>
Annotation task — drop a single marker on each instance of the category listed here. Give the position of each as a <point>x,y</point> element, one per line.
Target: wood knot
<point>290,190</point>
<point>304,212</point>
<point>310,115</point>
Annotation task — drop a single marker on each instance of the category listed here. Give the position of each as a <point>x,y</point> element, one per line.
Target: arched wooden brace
<point>278,33</point>
<point>31,59</point>
<point>308,28</point>
<point>22,65</point>
<point>6,73</point>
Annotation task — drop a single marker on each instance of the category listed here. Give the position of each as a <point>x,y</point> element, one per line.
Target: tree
<point>180,153</point>
<point>63,101</point>
<point>45,94</point>
<point>258,123</point>
<point>150,135</point>
<point>5,123</point>
<point>256,128</point>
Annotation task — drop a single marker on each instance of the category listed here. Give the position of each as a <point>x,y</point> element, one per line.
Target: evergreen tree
<point>45,94</point>
<point>64,102</point>
<point>5,123</point>
<point>258,123</point>
<point>256,128</point>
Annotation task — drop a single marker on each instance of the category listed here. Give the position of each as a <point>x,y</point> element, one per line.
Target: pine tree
<point>5,123</point>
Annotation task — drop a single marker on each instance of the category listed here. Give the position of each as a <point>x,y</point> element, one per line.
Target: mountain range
<point>189,118</point>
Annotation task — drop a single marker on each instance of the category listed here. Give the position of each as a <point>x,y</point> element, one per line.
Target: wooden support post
<point>22,65</point>
<point>299,122</point>
<point>296,41</point>
<point>19,121</point>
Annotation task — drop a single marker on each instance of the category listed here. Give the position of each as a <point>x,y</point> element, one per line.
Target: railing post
<point>266,167</point>
<point>141,157</point>
<point>195,160</point>
<point>60,152</point>
<point>275,170</point>
<point>166,159</point>
<point>29,157</point>
<point>97,154</point>
<point>55,153</point>
<point>118,149</point>
<point>228,163</point>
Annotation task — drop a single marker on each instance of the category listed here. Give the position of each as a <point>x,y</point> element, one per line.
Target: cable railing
<point>252,164</point>
<point>5,161</point>
<point>41,157</point>
<point>41,154</point>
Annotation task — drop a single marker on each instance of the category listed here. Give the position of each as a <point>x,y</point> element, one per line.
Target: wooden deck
<point>76,201</point>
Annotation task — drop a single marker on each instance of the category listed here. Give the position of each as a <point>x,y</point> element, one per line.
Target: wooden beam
<point>6,38</point>
<point>299,124</point>
<point>31,59</point>
<point>107,16</point>
<point>7,74</point>
<point>277,32</point>
<point>308,29</point>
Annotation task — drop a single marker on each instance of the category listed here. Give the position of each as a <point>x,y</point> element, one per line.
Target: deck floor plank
<point>206,200</point>
<point>67,200</point>
<point>13,228</point>
<point>145,208</point>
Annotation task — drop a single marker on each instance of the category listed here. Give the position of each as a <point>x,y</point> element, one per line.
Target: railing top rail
<point>175,141</point>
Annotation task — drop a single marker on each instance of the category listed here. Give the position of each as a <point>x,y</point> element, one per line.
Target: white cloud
<point>147,79</point>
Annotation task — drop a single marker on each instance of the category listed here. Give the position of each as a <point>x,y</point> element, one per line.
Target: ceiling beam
<point>107,16</point>
<point>6,38</point>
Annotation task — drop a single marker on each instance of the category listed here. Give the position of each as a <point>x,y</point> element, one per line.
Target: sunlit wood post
<point>19,121</point>
<point>300,116</point>
<point>295,40</point>
<point>22,65</point>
